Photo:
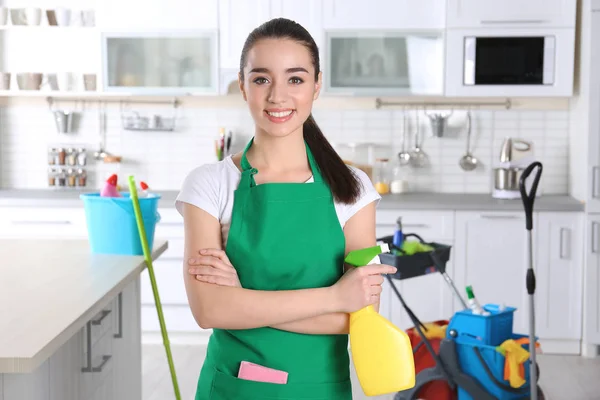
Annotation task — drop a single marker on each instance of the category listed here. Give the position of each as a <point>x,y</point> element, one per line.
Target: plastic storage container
<point>491,330</point>
<point>111,224</point>
<point>486,365</point>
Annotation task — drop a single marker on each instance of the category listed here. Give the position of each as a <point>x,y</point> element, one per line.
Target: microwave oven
<point>507,62</point>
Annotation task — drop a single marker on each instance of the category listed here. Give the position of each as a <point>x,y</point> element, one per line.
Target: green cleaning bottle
<point>366,256</point>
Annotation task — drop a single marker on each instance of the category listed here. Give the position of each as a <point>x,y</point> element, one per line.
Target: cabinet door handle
<point>512,21</point>
<point>594,237</point>
<point>415,225</point>
<point>595,185</point>
<point>88,367</point>
<point>564,252</point>
<point>26,222</point>
<point>119,333</point>
<point>486,216</point>
<point>99,320</point>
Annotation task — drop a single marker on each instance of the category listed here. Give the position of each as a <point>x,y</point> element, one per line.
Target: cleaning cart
<point>464,361</point>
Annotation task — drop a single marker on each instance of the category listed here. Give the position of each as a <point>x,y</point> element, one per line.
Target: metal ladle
<point>404,156</point>
<point>468,162</point>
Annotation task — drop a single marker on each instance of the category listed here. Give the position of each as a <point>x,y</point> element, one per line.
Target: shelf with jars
<point>67,167</point>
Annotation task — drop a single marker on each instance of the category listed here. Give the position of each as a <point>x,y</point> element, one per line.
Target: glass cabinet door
<point>155,63</point>
<point>384,63</point>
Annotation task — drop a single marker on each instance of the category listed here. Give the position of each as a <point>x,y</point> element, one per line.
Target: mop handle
<point>528,198</point>
<point>148,258</point>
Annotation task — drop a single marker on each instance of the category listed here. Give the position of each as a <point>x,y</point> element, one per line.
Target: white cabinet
<point>491,255</point>
<point>54,222</point>
<point>390,62</point>
<point>591,281</point>
<point>429,297</point>
<point>236,20</point>
<point>157,14</point>
<point>558,270</point>
<point>384,14</point>
<point>511,13</point>
<point>307,13</point>
<point>103,360</point>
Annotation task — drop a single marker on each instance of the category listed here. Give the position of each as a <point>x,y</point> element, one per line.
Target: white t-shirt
<point>211,187</point>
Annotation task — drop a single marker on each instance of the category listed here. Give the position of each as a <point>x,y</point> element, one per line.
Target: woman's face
<point>279,85</point>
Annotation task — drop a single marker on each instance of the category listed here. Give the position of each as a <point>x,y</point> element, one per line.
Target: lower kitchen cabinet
<point>591,281</point>
<point>101,361</point>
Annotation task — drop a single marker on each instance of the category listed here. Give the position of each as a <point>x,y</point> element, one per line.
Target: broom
<point>148,259</point>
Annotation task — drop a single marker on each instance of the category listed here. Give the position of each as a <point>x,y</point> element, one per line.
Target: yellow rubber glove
<point>513,366</point>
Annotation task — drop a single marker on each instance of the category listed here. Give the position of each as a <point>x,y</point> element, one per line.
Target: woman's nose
<point>277,93</point>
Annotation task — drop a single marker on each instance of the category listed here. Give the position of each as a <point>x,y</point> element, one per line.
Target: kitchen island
<point>70,326</point>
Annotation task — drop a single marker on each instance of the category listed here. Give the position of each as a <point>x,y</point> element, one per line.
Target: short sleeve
<point>368,194</point>
<point>200,188</point>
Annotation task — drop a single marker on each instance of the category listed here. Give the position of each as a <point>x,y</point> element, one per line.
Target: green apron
<point>283,236</point>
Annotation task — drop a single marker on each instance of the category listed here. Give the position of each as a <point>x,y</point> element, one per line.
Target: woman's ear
<point>318,85</point>
<point>241,85</point>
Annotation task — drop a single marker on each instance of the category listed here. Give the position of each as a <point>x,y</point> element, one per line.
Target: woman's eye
<point>260,81</point>
<point>296,80</point>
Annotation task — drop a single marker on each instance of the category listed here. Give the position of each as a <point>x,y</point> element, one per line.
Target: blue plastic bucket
<point>111,224</point>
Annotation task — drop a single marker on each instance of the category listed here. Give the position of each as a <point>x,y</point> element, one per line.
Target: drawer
<point>42,222</point>
<point>169,281</point>
<point>427,224</point>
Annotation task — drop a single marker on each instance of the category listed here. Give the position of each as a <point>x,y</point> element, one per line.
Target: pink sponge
<point>254,372</point>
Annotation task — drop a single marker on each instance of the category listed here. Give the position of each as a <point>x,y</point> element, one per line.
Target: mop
<point>148,259</point>
<point>528,199</point>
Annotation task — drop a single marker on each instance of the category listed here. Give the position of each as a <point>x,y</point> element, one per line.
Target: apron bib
<point>283,236</point>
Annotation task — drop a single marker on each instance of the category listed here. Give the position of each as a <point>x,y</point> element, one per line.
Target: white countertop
<point>49,289</point>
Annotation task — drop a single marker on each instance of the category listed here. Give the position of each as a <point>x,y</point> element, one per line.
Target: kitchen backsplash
<point>164,158</point>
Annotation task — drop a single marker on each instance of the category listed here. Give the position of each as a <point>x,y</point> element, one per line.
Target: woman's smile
<point>279,115</point>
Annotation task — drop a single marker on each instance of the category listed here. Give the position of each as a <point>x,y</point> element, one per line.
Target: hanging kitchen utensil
<point>438,122</point>
<point>468,162</point>
<point>63,121</point>
<point>418,158</point>
<point>404,155</point>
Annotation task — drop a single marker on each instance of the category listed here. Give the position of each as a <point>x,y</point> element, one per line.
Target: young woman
<point>266,233</point>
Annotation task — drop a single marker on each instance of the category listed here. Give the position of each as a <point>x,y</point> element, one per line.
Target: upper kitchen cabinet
<point>384,63</point>
<point>236,20</point>
<point>511,13</point>
<point>384,14</point>
<point>158,14</point>
<point>160,63</point>
<point>307,13</point>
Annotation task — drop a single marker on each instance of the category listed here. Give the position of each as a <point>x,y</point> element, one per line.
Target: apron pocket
<point>230,387</point>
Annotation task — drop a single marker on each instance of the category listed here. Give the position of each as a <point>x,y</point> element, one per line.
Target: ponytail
<point>342,181</point>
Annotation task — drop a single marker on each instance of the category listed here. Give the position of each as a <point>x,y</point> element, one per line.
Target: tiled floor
<point>561,377</point>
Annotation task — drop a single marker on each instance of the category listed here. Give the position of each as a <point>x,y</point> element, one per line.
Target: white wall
<point>164,158</point>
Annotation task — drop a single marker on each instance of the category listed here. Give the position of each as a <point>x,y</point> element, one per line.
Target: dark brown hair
<point>344,184</point>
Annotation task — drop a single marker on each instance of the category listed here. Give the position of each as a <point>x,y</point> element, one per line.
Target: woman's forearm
<point>326,324</point>
<point>226,307</point>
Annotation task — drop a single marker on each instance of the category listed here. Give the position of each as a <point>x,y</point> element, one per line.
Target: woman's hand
<point>360,287</point>
<point>213,266</point>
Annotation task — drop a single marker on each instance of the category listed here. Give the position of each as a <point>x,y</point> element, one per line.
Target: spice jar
<point>61,178</point>
<point>51,156</point>
<point>81,156</point>
<point>71,156</point>
<point>81,177</point>
<point>381,176</point>
<point>62,154</point>
<point>71,177</point>
<point>51,177</point>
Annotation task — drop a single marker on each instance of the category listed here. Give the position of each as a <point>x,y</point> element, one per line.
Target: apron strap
<point>248,171</point>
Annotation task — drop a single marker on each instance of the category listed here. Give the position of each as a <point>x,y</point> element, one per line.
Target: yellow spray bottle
<point>381,352</point>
